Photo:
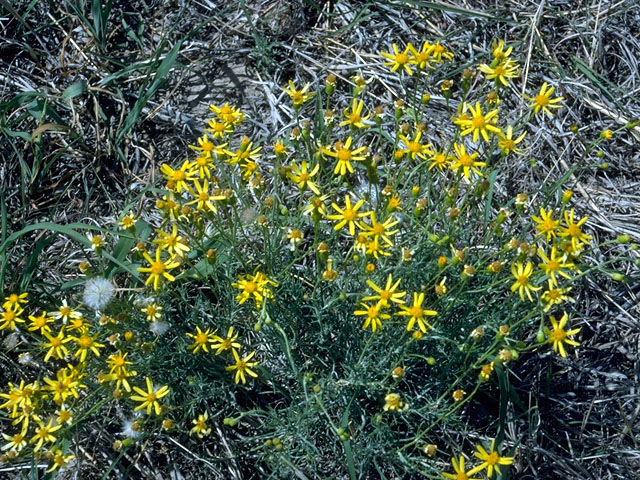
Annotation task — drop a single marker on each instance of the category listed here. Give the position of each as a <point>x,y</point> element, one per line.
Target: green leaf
<point>75,90</point>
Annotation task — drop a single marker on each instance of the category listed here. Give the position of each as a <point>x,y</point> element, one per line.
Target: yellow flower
<point>558,336</point>
<point>202,165</point>
<point>399,59</point>
<point>298,96</point>
<point>379,230</point>
<point>498,50</point>
<point>500,72</point>
<point>295,236</point>
<point>486,371</point>
<point>546,224</point>
<point>56,345</point>
<point>203,199</point>
<point>572,230</point>
<point>228,114</point>
<point>242,366</point>
<point>227,343</point>
<point>467,163</point>
<point>543,100</point>
<point>439,159</point>
<point>460,472</point>
<point>200,426</point>
<point>373,314</point>
<point>172,242</point>
<point>17,441</point>
<point>153,311</point>
<point>256,286</point>
<point>343,153</point>
<point>416,313</point>
<point>158,269</point>
<point>149,398</point>
<point>316,207</point>
<point>386,294</point>
<point>552,265</point>
<point>60,460</point>
<point>458,395</point>
<point>205,146</point>
<point>413,147</point>
<point>87,343</point>
<point>354,117</point>
<point>479,123</point>
<point>440,51</point>
<point>128,222</point>
<point>373,247</point>
<point>491,460</point>
<point>422,57</point>
<point>177,179</point>
<point>245,153</point>
<point>64,386</point>
<point>348,215</point>
<point>13,301</point>
<point>9,318</point>
<point>219,129</point>
<point>506,142</point>
<point>201,340</point>
<point>44,433</point>
<point>65,312</point>
<point>554,295</point>
<point>301,176</point>
<point>522,285</point>
<point>41,322</point>
<point>393,402</point>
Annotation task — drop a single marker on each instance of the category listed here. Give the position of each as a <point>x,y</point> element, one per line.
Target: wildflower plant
<point>347,290</point>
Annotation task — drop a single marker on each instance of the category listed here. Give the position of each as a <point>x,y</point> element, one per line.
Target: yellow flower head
<point>399,60</point>
<point>298,97</point>
<point>478,123</point>
<point>543,101</point>
<point>558,336</point>
<point>149,399</point>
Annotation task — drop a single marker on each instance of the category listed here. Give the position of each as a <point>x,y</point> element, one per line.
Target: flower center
<point>541,100</point>
<point>202,338</point>
<point>574,230</point>
<point>349,214</point>
<point>478,121</point>
<point>402,58</point>
<point>416,311</point>
<point>157,268</point>
<point>344,154</point>
<point>465,160</point>
<point>250,287</point>
<point>414,147</point>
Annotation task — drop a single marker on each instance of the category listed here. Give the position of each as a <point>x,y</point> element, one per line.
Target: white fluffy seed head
<point>98,292</point>
<point>159,327</point>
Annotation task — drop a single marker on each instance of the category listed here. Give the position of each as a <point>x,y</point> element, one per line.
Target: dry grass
<point>110,119</point>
